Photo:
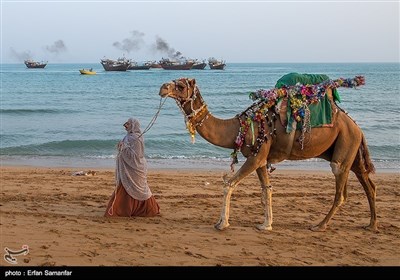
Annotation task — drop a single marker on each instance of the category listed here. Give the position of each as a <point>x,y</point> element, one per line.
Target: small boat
<point>216,64</point>
<point>87,71</point>
<point>135,66</point>
<point>121,64</point>
<point>35,64</point>
<point>168,64</point>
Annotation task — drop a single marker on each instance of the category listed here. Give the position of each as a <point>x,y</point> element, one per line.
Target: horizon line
<point>233,62</point>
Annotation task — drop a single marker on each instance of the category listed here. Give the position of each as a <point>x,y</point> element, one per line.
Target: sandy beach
<point>60,218</point>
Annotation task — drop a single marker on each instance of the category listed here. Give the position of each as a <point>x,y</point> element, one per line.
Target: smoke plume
<point>133,43</point>
<point>162,46</point>
<point>20,56</point>
<point>57,47</point>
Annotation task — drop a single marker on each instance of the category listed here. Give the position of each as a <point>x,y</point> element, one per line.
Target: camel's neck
<point>219,132</point>
<point>216,131</point>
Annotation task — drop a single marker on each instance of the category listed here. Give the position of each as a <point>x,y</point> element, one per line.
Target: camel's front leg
<point>266,198</point>
<point>266,201</point>
<point>224,219</point>
<point>229,186</point>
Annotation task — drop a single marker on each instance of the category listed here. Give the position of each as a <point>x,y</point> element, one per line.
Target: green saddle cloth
<point>292,79</point>
<point>321,112</point>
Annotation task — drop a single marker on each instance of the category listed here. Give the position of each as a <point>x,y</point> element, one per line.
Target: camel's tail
<point>364,158</point>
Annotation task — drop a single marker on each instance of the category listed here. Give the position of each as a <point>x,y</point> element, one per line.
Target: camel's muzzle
<point>165,90</point>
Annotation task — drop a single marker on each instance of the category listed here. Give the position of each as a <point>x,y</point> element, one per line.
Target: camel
<point>343,145</point>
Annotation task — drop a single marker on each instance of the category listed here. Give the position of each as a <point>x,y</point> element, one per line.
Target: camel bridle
<point>191,118</point>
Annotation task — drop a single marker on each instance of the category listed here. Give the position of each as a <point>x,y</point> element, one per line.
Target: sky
<point>237,31</point>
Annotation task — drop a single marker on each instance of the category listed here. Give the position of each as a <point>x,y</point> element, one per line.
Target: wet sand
<point>60,218</point>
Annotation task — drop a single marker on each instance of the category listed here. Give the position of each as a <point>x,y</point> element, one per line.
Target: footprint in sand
<point>48,264</point>
<point>196,255</point>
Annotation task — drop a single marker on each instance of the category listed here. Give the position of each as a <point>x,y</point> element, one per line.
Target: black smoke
<point>20,56</point>
<point>57,47</point>
<point>162,46</point>
<point>133,43</point>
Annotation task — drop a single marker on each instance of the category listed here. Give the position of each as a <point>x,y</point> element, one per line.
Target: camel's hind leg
<point>266,198</point>
<point>341,162</point>
<point>341,177</point>
<point>370,191</point>
<point>229,186</point>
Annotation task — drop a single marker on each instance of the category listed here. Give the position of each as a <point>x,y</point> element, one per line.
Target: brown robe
<point>126,206</point>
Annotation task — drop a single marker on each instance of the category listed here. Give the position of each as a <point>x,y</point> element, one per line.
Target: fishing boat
<point>87,71</point>
<point>135,66</point>
<point>154,64</point>
<point>168,64</point>
<point>35,64</point>
<point>121,64</point>
<point>216,64</point>
<point>199,65</point>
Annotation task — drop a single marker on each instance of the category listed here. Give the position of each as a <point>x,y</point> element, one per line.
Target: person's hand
<point>119,145</point>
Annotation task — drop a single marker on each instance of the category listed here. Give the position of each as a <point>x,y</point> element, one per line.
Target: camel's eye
<point>180,86</point>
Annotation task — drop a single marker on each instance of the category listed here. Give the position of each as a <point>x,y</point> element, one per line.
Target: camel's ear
<point>192,82</point>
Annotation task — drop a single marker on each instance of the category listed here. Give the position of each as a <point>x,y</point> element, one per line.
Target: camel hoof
<point>221,226</point>
<point>318,228</point>
<point>373,228</point>
<point>263,227</point>
<point>225,179</point>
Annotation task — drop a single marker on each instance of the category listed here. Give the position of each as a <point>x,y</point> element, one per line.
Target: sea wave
<point>63,148</point>
<point>26,111</point>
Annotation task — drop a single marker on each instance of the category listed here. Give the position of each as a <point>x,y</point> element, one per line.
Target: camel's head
<point>181,89</point>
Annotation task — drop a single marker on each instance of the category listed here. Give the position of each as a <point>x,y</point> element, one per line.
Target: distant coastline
<point>228,62</point>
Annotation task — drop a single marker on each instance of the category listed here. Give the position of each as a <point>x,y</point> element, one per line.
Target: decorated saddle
<point>292,111</point>
<point>302,101</point>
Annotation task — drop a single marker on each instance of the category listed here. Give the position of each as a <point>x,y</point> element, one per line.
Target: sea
<point>56,117</point>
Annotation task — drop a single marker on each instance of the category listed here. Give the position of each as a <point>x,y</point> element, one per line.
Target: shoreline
<point>172,164</point>
<point>61,218</point>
